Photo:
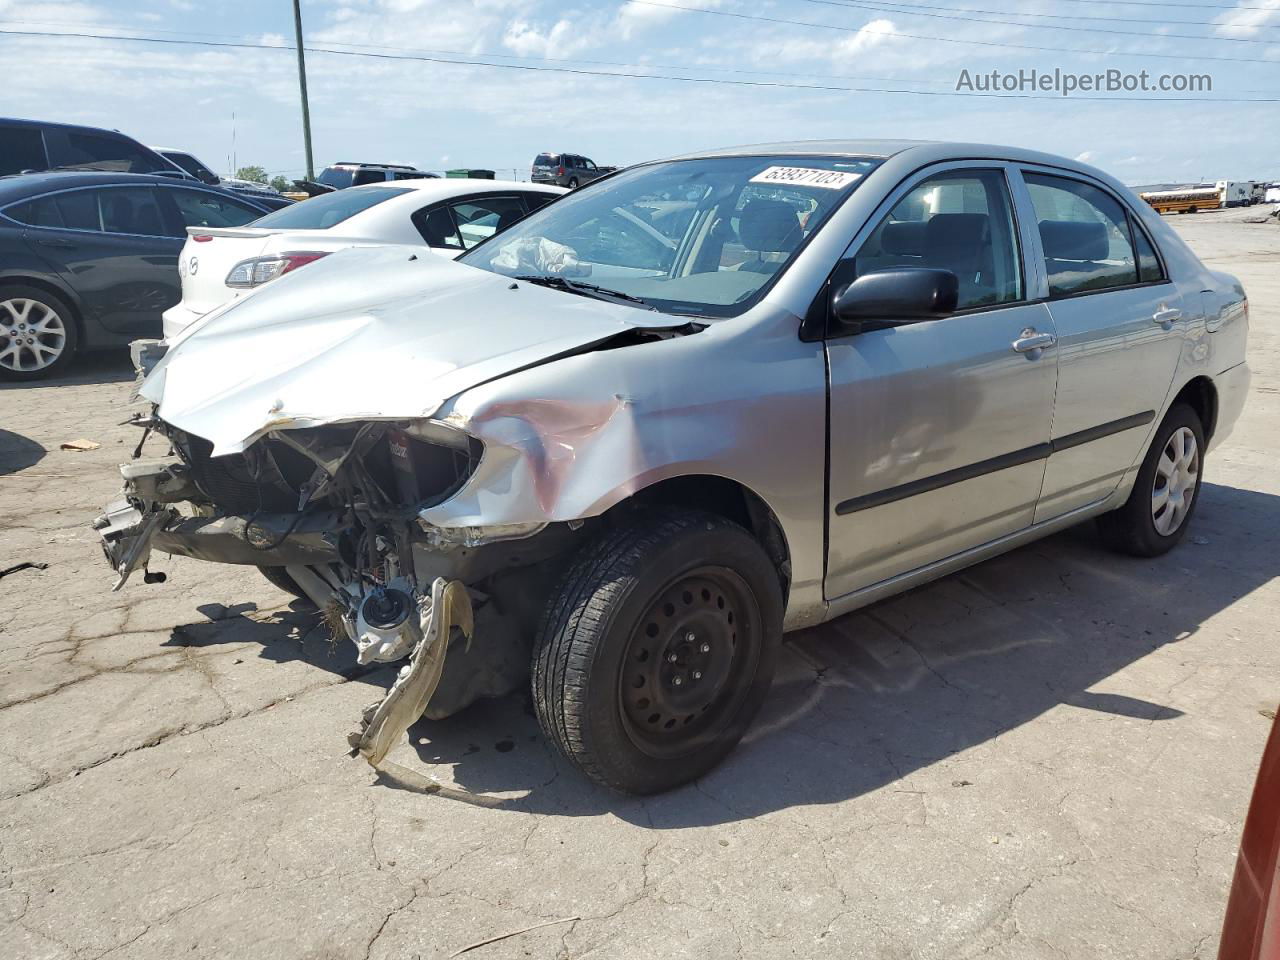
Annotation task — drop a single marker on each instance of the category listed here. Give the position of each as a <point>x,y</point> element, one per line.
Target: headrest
<point>1074,240</point>
<point>903,238</point>
<point>947,231</point>
<point>769,225</point>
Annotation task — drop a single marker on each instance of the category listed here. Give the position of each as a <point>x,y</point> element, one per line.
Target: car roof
<point>18,121</point>
<point>920,151</point>
<point>380,166</point>
<point>21,186</point>
<point>446,187</point>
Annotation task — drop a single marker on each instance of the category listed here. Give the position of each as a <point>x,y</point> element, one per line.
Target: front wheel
<point>1155,517</point>
<point>657,650</point>
<point>279,577</point>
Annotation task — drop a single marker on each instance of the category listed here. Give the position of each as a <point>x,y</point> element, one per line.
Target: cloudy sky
<point>437,115</point>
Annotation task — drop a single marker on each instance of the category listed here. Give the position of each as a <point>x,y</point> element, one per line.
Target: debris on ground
<point>25,565</point>
<point>513,933</point>
<point>79,446</point>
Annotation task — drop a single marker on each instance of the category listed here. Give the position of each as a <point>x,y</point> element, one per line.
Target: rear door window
<point>21,148</point>
<point>329,209</point>
<point>130,210</point>
<point>1085,235</point>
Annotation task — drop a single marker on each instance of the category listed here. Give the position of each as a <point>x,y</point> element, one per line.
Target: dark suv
<point>33,146</point>
<point>566,169</point>
<point>349,174</point>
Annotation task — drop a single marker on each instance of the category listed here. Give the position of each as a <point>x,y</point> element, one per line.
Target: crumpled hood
<point>374,333</point>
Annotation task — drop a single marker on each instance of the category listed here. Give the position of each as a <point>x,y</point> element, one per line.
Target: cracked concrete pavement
<point>1048,755</point>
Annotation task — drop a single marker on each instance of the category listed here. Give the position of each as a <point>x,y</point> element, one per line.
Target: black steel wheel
<point>658,649</point>
<point>686,661</point>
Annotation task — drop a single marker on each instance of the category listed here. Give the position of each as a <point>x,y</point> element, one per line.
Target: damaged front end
<point>338,511</point>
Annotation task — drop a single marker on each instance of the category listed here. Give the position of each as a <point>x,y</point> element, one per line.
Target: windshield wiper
<point>585,289</point>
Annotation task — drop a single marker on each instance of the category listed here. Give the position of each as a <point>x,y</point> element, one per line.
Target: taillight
<point>260,270</point>
<point>201,238</point>
<point>560,171</point>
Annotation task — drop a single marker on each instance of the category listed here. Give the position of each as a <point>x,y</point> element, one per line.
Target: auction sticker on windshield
<point>807,177</point>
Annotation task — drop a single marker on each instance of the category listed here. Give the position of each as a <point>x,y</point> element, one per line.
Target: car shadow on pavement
<point>869,699</point>
<point>18,452</point>
<point>110,366</point>
<point>293,634</point>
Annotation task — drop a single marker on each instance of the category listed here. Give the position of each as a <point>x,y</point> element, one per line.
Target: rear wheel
<point>658,649</point>
<point>573,183</point>
<point>37,333</point>
<point>1156,515</point>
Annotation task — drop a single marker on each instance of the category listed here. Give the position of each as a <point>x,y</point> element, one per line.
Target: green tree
<point>256,174</point>
<point>281,183</point>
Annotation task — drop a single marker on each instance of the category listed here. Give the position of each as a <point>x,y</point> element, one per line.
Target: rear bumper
<point>176,319</point>
<point>1233,390</point>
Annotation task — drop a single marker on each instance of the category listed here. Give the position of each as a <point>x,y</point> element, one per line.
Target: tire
<point>672,583</point>
<point>279,577</point>
<point>573,183</point>
<point>1142,529</point>
<point>38,334</point>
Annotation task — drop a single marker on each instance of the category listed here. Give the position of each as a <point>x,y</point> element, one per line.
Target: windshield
<point>703,237</point>
<point>329,209</point>
<point>193,166</point>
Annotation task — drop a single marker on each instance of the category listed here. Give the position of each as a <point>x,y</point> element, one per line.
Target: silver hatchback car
<point>625,445</point>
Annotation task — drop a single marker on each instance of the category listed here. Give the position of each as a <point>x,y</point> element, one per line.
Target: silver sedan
<point>697,403</point>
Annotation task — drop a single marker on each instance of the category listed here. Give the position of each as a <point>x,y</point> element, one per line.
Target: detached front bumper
<point>266,540</point>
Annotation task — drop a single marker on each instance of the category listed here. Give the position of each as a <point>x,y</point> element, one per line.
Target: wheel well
<point>49,288</point>
<point>729,499</point>
<point>1202,396</point>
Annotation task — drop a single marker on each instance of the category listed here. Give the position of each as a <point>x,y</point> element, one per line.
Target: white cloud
<point>1088,156</point>
<point>873,34</point>
<point>1245,21</point>
<point>561,40</point>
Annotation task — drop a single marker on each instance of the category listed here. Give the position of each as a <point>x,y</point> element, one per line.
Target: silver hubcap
<point>32,335</point>
<point>1177,471</point>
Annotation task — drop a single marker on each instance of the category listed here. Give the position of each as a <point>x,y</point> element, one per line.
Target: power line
<point>623,75</point>
<point>506,56</point>
<point>1183,57</point>
<point>877,8</point>
<point>1062,16</point>
<point>1175,6</point>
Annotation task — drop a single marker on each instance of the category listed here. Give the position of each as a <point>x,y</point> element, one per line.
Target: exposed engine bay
<point>333,514</point>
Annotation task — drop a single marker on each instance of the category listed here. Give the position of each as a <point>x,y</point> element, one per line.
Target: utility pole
<point>302,83</point>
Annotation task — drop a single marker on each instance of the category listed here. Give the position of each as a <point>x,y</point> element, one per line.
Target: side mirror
<point>889,298</point>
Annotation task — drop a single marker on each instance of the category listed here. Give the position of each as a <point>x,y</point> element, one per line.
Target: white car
<point>219,264</point>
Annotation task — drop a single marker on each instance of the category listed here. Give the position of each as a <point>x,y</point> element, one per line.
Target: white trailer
<point>1235,193</point>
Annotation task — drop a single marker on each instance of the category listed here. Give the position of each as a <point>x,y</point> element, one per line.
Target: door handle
<point>57,244</point>
<point>1033,344</point>
<point>1165,316</point>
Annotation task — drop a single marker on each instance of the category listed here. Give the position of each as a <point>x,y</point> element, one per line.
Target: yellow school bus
<point>1184,201</point>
